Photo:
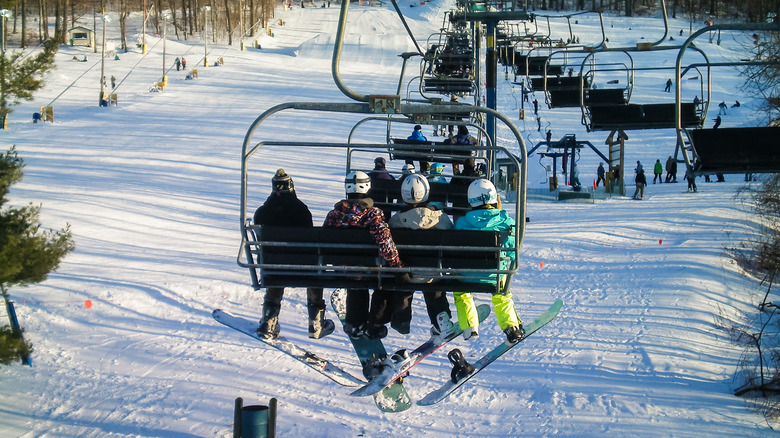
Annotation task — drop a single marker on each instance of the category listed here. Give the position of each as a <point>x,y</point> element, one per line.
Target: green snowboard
<point>394,398</point>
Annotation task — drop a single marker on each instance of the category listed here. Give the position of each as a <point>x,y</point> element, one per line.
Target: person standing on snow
<point>641,182</point>
<point>283,208</point>
<point>691,177</point>
<point>358,211</point>
<point>658,171</point>
<point>417,215</point>
<point>486,215</point>
<point>600,174</point>
<point>671,169</point>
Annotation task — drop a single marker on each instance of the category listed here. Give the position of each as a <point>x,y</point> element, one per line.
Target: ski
<point>317,363</point>
<point>393,370</point>
<point>446,389</point>
<point>394,397</point>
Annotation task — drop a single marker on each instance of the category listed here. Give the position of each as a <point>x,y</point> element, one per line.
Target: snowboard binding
<point>460,368</point>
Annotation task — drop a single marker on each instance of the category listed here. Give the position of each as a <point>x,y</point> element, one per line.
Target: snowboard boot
<point>443,328</point>
<point>514,334</point>
<point>460,368</point>
<point>319,327</point>
<point>401,327</point>
<point>269,325</point>
<point>353,331</point>
<point>374,367</point>
<point>376,331</point>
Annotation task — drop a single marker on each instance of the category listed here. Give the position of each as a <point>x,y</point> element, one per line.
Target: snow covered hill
<point>150,189</point>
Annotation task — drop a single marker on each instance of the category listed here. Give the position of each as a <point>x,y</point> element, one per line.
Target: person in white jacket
<point>418,215</point>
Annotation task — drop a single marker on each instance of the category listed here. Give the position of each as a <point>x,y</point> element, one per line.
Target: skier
<point>417,215</point>
<point>358,211</point>
<point>658,171</point>
<point>722,108</point>
<point>718,120</point>
<point>668,87</point>
<point>283,208</point>
<point>184,64</point>
<point>178,63</point>
<point>486,215</point>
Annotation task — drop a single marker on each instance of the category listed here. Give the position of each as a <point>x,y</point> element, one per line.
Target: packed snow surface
<point>150,189</point>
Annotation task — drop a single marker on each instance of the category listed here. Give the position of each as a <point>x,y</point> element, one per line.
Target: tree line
<point>223,20</point>
<point>227,20</point>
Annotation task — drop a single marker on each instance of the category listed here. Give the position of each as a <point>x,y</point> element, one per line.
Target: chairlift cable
<point>406,26</point>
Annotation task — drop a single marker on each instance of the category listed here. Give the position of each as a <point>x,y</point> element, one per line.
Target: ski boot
<point>460,368</point>
<point>269,324</point>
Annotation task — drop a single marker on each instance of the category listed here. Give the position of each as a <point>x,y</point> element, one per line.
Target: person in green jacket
<point>486,215</point>
<point>658,171</point>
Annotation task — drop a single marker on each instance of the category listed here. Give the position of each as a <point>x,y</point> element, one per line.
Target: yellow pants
<point>503,306</point>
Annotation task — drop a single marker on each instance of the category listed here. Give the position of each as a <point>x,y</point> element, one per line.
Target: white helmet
<point>415,189</point>
<point>482,192</point>
<point>408,169</point>
<point>357,182</point>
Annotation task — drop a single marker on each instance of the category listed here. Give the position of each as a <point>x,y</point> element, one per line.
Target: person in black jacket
<point>283,208</point>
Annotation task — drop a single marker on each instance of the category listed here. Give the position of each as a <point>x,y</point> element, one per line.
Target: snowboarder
<point>358,211</point>
<point>668,87</point>
<point>722,108</point>
<point>486,215</point>
<point>641,182</point>
<point>689,175</point>
<point>417,215</point>
<point>717,122</point>
<point>283,208</point>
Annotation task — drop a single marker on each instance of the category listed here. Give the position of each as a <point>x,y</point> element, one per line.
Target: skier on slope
<point>487,215</point>
<point>358,211</point>
<point>417,215</point>
<point>283,208</point>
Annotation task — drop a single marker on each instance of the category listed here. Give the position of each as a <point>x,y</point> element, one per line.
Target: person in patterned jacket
<point>358,211</point>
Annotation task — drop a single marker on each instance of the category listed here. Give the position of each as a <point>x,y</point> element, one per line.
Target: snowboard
<point>317,363</point>
<point>393,370</point>
<point>450,386</point>
<point>394,397</point>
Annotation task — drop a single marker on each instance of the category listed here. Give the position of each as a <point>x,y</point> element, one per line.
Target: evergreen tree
<point>19,79</point>
<point>27,253</point>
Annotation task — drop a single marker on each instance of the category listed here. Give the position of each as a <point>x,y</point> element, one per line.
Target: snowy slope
<point>150,189</point>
